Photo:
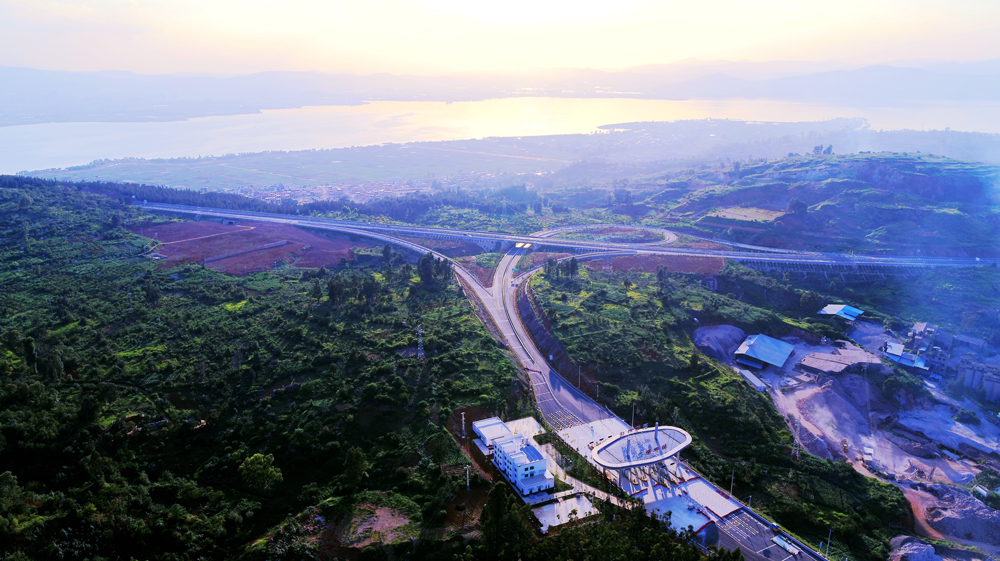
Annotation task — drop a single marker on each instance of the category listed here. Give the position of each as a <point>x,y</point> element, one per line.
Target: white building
<point>489,430</point>
<point>524,465</point>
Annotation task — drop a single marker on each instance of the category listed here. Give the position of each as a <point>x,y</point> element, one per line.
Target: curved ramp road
<point>562,404</point>
<point>741,253</point>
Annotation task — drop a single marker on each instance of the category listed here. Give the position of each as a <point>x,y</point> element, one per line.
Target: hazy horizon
<point>761,68</point>
<point>433,37</point>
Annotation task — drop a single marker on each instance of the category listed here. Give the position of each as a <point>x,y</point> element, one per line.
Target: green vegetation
<point>180,413</point>
<point>578,467</point>
<point>867,203</point>
<point>990,479</point>
<point>961,300</point>
<point>630,330</point>
<point>488,260</point>
<point>613,235</point>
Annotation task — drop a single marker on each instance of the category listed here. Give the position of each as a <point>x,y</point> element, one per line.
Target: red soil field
<point>536,258</point>
<point>482,274</point>
<point>451,248</point>
<point>193,242</point>
<point>673,263</point>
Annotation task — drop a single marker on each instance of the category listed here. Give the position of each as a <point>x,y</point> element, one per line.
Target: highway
<point>559,401</point>
<point>739,252</point>
<point>561,404</point>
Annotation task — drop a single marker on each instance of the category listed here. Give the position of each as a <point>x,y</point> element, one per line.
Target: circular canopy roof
<point>641,447</point>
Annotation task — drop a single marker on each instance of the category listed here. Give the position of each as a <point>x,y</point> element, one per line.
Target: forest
<point>630,332</point>
<point>187,414</point>
<point>175,414</point>
<point>182,413</point>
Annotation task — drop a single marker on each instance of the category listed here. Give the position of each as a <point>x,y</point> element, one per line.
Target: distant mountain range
<point>44,96</point>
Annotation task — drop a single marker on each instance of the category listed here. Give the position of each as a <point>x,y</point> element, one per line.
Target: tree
<point>356,468</point>
<point>506,533</point>
<point>387,254</point>
<point>809,300</point>
<point>336,289</point>
<point>25,202</point>
<point>829,149</point>
<point>817,150</point>
<point>30,352</point>
<point>425,269</point>
<point>797,207</point>
<point>258,473</point>
<point>317,290</point>
<point>152,292</point>
<point>693,362</point>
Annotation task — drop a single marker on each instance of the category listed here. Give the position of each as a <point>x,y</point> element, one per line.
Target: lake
<point>56,145</point>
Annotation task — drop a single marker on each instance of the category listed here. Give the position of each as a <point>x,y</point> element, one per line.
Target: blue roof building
<point>895,353</point>
<point>912,360</point>
<point>850,313</point>
<point>757,351</point>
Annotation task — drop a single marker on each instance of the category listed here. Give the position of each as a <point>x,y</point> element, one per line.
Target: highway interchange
<point>561,404</point>
<point>559,401</point>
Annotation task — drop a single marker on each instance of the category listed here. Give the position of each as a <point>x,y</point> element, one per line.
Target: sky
<point>449,36</point>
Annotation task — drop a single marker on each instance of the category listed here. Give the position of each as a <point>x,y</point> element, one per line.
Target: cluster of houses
<point>930,351</point>
<point>935,352</point>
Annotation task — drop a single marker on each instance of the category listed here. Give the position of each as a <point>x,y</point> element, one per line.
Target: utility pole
<point>467,478</point>
<point>579,374</point>
<point>828,537</point>
<point>463,425</point>
<point>868,401</point>
<point>633,413</point>
<point>732,479</point>
<point>420,342</point>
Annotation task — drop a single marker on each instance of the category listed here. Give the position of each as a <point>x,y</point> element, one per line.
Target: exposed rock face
<point>909,548</point>
<point>961,515</point>
<point>813,443</point>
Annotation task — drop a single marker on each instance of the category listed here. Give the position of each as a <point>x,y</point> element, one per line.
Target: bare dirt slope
<point>909,548</point>
<point>718,341</point>
<point>921,444</point>
<point>957,513</point>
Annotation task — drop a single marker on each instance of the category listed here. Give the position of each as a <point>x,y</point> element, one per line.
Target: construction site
<point>931,448</point>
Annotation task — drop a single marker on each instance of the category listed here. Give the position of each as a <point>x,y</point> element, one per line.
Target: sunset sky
<point>441,36</point>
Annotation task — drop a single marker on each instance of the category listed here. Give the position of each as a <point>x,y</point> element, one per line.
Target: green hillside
<point>133,400</point>
<point>867,203</point>
<point>630,332</point>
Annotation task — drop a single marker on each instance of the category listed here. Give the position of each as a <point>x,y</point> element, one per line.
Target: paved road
<point>562,404</point>
<point>744,252</point>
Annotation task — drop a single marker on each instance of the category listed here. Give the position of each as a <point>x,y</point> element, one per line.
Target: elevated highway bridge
<point>755,256</point>
<point>563,405</point>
